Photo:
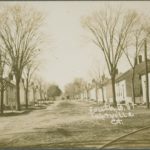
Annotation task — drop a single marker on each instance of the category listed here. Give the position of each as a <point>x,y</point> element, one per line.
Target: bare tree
<point>34,90</point>
<point>19,33</point>
<point>98,77</point>
<point>141,35</point>
<point>85,89</point>
<point>75,88</point>
<point>146,74</point>
<point>111,29</point>
<point>3,81</point>
<point>27,74</point>
<point>137,46</point>
<point>70,90</point>
<point>78,86</point>
<point>40,84</point>
<point>146,47</point>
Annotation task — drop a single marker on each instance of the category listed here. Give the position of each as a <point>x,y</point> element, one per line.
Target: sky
<point>68,52</point>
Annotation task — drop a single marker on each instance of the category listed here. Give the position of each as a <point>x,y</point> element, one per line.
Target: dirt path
<point>65,124</point>
<point>53,115</point>
<point>42,121</point>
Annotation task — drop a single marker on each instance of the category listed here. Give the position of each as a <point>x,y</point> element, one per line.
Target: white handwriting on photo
<point>115,115</point>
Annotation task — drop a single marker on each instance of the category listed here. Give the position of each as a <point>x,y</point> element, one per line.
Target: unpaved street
<point>14,129</point>
<point>64,124</point>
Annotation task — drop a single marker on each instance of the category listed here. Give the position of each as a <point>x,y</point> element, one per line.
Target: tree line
<point>20,40</point>
<point>116,33</point>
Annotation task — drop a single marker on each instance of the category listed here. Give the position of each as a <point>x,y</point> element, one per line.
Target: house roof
<point>139,69</point>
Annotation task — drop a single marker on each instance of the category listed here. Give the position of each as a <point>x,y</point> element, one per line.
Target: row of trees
<point>118,32</point>
<point>75,88</point>
<point>80,88</point>
<point>20,40</point>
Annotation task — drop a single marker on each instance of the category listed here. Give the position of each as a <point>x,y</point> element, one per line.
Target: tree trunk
<point>18,95</point>
<point>87,94</point>
<point>96,93</point>
<point>113,90</point>
<point>34,92</point>
<point>103,95</point>
<point>2,100</point>
<point>133,87</point>
<point>26,93</point>
<point>40,93</point>
<point>26,96</point>
<point>146,74</point>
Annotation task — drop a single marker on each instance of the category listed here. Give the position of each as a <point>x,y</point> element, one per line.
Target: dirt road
<point>42,126</point>
<point>63,124</point>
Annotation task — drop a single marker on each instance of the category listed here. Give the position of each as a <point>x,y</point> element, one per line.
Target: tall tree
<point>78,86</point>
<point>98,76</point>
<point>3,81</point>
<point>146,74</point>
<point>111,29</point>
<point>19,33</point>
<point>34,91</point>
<point>40,84</point>
<point>75,88</point>
<point>87,88</point>
<point>132,53</point>
<point>27,78</point>
<point>70,90</point>
<point>146,39</point>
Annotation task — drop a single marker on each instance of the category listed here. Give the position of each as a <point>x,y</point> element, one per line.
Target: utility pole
<point>146,74</point>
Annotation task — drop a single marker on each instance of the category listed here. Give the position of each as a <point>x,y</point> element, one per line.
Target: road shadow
<point>24,111</point>
<point>15,113</point>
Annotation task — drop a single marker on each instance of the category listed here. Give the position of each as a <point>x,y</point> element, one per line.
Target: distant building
<point>123,86</point>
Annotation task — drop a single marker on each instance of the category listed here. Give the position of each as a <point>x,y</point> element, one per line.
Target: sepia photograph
<point>75,74</point>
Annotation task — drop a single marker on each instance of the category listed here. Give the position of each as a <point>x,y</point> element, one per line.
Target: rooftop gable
<point>139,69</point>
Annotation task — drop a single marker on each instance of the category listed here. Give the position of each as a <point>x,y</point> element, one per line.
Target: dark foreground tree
<point>19,34</point>
<point>133,53</point>
<point>110,30</point>
<point>3,81</point>
<point>27,78</point>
